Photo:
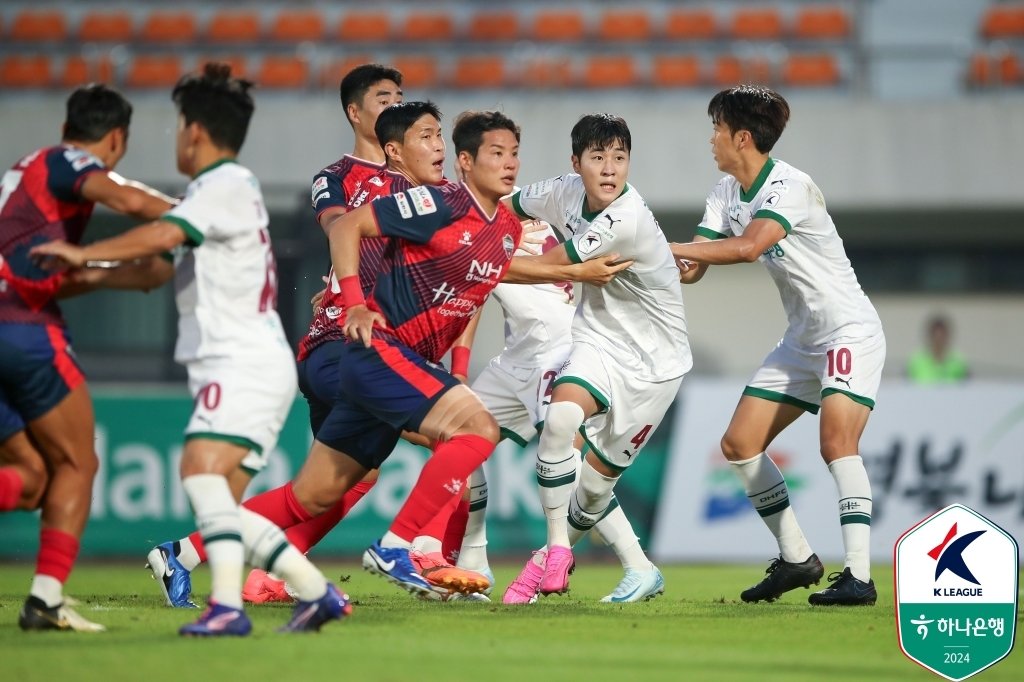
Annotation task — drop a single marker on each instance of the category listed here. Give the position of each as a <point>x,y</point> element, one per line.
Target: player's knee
<point>563,419</point>
<point>83,464</point>
<point>482,424</point>
<point>35,480</point>
<point>733,447</point>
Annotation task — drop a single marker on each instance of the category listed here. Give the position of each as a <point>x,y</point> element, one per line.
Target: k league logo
<point>956,592</point>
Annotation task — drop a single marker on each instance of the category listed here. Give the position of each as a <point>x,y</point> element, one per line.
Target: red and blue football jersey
<point>447,257</point>
<point>347,183</point>
<point>40,201</point>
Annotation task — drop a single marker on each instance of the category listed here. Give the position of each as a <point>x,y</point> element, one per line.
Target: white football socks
<point>854,513</point>
<point>767,491</point>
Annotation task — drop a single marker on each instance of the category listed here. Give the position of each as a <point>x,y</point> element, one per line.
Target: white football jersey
<point>638,317</point>
<point>225,279</point>
<point>820,292</point>
<point>538,317</point>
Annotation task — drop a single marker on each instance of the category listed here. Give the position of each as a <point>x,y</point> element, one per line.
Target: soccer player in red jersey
<point>47,459</point>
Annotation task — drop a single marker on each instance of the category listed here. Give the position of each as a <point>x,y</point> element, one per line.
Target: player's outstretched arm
<point>555,266</point>
<point>126,196</point>
<point>151,239</point>
<point>344,236</point>
<point>144,275</point>
<point>760,235</point>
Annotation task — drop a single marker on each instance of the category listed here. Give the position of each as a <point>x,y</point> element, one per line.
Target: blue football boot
<point>174,579</point>
<point>394,565</point>
<point>219,621</point>
<point>309,616</point>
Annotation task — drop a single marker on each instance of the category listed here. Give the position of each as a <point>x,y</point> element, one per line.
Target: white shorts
<point>803,376</point>
<point>518,397</point>
<point>242,402</point>
<point>632,409</point>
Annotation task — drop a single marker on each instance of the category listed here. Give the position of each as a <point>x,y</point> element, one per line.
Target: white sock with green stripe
<point>589,500</point>
<point>473,554</point>
<point>266,547</point>
<point>219,522</point>
<point>617,532</point>
<point>854,512</point>
<point>766,489</point>
<point>556,467</point>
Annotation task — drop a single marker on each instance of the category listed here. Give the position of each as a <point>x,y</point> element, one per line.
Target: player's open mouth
<point>608,186</point>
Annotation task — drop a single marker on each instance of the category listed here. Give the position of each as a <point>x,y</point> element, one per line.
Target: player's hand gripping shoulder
<point>601,270</point>
<point>532,238</point>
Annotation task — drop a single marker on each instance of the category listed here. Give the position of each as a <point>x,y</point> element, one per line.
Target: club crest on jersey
<point>771,200</point>
<point>319,185</point>
<point>589,242</point>
<point>403,205</point>
<point>422,201</point>
<point>509,244</point>
<point>376,181</point>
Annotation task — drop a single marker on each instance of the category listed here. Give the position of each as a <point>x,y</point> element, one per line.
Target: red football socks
<point>57,553</point>
<point>11,486</point>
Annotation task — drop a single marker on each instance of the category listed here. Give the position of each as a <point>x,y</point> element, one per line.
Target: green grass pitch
<point>699,630</point>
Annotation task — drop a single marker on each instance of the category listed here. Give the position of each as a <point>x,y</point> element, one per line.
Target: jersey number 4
<point>638,440</point>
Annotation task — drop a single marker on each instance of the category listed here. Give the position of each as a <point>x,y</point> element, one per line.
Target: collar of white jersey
<point>747,196</point>
<point>590,215</point>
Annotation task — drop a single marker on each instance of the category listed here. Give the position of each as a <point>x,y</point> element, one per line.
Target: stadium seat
<point>756,24</point>
<point>1009,69</point>
<point>546,73</point>
<point>821,23</point>
<point>557,26</point>
<point>75,73</point>
<point>283,72</point>
<point>25,72</point>
<point>237,62</point>
<point>153,71</point>
<point>1003,22</point>
<point>759,71</point>
<point>333,71</point>
<point>675,71</point>
<point>297,26</point>
<point>609,71</point>
<point>106,27</point>
<point>690,25</point>
<point>417,71</point>
<point>493,26</point>
<point>426,27</point>
<point>478,72</point>
<point>233,27</point>
<point>39,26</point>
<point>727,71</point>
<point>366,27</point>
<point>979,72</point>
<point>811,70</point>
<point>624,25</point>
<point>169,27</point>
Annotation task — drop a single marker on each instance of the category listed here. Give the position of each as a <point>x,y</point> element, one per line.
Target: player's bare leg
<point>755,424</point>
<point>842,423</point>
<point>64,437</point>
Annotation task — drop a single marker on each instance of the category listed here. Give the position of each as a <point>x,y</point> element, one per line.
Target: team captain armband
<point>351,292</point>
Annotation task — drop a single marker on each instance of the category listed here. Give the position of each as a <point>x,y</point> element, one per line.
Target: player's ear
<point>352,112</point>
<point>465,163</point>
<point>575,163</point>
<point>393,151</point>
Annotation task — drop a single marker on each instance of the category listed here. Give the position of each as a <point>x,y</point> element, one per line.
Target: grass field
<point>699,630</point>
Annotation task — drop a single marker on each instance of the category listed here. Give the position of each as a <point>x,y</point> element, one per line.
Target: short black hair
<point>470,127</point>
<point>760,111</point>
<point>218,102</point>
<point>395,121</point>
<point>358,81</point>
<point>93,111</point>
<point>597,131</point>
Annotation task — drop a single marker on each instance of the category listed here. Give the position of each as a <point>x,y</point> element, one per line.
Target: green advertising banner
<point>138,500</point>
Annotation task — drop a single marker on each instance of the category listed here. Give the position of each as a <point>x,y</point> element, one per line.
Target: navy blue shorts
<point>360,399</point>
<point>37,371</point>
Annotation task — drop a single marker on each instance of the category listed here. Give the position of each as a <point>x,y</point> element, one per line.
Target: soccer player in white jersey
<point>629,343</point>
<point>516,388</point>
<point>830,357</point>
<point>241,372</point>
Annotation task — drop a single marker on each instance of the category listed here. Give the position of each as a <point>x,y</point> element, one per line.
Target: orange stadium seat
<point>1009,69</point>
<point>426,27</point>
<point>169,27</point>
<point>25,72</point>
<point>557,26</point>
<point>75,73</point>
<point>106,27</point>
<point>822,23</point>
<point>296,26</point>
<point>979,71</point>
<point>283,72</point>
<point>546,73</point>
<point>332,72</point>
<point>153,71</point>
<point>369,27</point>
<point>691,25</point>
<point>728,70</point>
<point>1003,22</point>
<point>811,70</point>
<point>756,24</point>
<point>417,71</point>
<point>609,71</point>
<point>237,62</point>
<point>39,26</point>
<point>233,27</point>
<point>479,72</point>
<point>675,71</point>
<point>624,25</point>
<point>493,26</point>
